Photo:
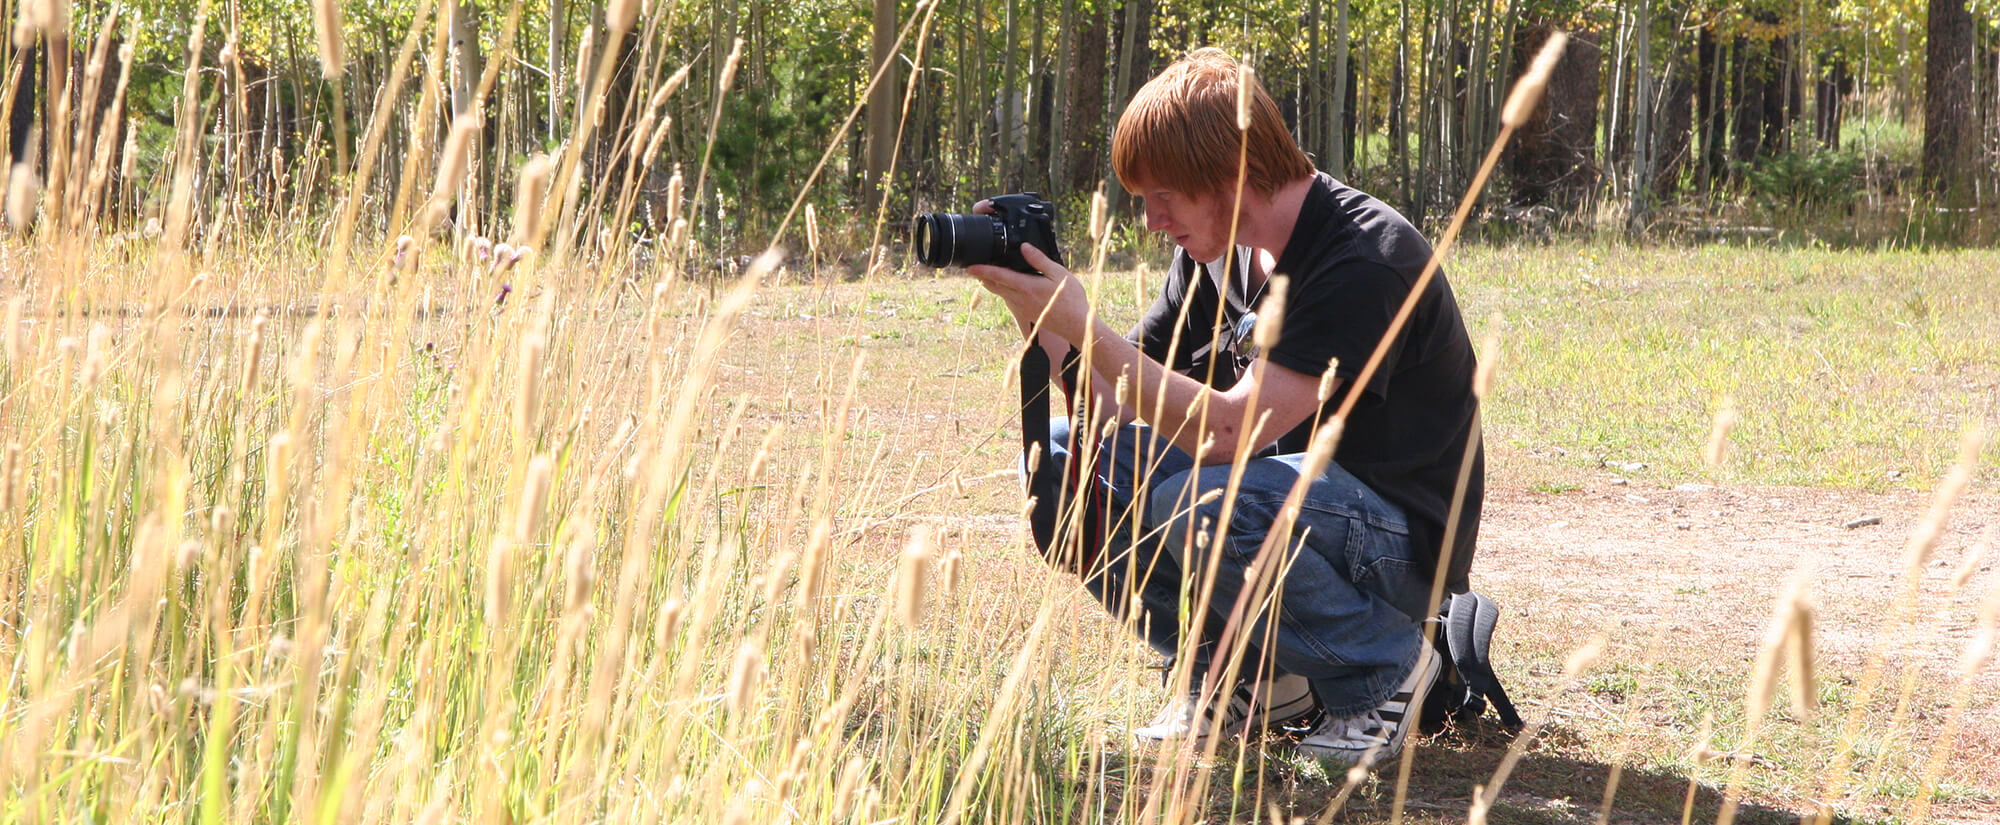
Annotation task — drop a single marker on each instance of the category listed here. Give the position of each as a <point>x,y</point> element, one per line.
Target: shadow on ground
<point>1548,787</point>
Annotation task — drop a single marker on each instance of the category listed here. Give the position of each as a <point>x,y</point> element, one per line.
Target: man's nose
<point>1156,220</point>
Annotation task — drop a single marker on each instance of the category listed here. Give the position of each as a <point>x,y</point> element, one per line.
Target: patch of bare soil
<point>1687,577</point>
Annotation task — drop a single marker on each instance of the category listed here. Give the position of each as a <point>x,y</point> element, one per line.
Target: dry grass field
<point>448,541</point>
<point>306,519</point>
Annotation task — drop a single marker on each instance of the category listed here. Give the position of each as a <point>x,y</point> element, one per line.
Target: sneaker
<point>1254,705</point>
<point>1378,734</point>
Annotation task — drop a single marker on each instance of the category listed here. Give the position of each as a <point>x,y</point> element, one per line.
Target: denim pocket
<point>1398,582</point>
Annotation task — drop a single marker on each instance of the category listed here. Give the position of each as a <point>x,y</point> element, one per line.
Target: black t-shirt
<point>1351,261</point>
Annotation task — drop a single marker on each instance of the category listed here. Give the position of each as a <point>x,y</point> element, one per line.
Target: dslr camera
<point>945,239</point>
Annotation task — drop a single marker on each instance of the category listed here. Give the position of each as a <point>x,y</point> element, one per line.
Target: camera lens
<point>944,239</point>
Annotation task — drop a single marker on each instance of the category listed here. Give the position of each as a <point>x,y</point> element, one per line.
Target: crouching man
<point>1342,661</point>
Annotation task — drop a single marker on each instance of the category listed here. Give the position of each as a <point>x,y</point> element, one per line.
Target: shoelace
<point>1369,727</point>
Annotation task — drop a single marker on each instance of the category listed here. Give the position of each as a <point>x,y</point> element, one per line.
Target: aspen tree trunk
<point>986,116</point>
<point>1313,136</point>
<point>1614,135</point>
<point>1087,127</point>
<point>1135,51</point>
<point>1135,61</point>
<point>881,106</point>
<point>467,63</point>
<point>1336,119</point>
<point>1431,101</point>
<point>1399,95</point>
<point>1673,145</point>
<point>1642,119</point>
<point>1552,158</point>
<point>1067,40</point>
<point>1746,103</point>
<point>1472,127</point>
<point>1008,154</point>
<point>1777,91</point>
<point>1948,132</point>
<point>1830,97</point>
<point>1707,100</point>
<point>559,56</point>
<point>964,127</point>
<point>1036,106</point>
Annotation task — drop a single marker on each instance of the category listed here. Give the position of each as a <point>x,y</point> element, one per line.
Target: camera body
<point>945,239</point>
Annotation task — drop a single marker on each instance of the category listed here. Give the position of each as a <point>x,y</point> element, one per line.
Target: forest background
<point>1840,121</point>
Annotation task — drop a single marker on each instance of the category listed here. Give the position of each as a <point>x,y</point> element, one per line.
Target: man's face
<point>1198,223</point>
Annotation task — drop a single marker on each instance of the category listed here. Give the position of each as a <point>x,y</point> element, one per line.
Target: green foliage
<point>1805,180</point>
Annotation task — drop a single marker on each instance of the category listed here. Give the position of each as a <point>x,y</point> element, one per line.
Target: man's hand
<point>1054,299</point>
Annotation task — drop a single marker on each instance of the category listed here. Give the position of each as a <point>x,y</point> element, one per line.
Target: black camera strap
<point>1052,487</point>
<point>1044,482</point>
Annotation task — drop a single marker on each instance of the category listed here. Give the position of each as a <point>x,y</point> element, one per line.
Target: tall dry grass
<point>466,531</point>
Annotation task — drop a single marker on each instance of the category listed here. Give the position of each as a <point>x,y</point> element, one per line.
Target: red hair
<point>1179,132</point>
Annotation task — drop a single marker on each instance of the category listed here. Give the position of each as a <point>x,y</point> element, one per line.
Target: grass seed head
<point>97,357</point>
<point>911,578</point>
<point>849,785</point>
<point>452,163</point>
<point>580,569</point>
<point>332,51</point>
<point>1975,558</point>
<point>534,499</point>
<point>24,189</point>
<point>1805,691</point>
<point>1489,360</point>
<point>1699,751</point>
<point>45,17</point>
<point>666,623</point>
<point>678,238</point>
<point>1979,650</point>
<point>499,580</point>
<point>10,475</point>
<point>1777,638</point>
<point>1583,657</point>
<point>255,351</point>
<point>746,678</point>
<point>1327,379</point>
<point>676,189</point>
<point>949,573</point>
<point>1528,90</point>
<point>1726,416</point>
<point>622,15</point>
<point>730,65</point>
<point>528,403</point>
<point>812,228</point>
<point>1271,315</point>
<point>530,192</point>
<point>1246,79</point>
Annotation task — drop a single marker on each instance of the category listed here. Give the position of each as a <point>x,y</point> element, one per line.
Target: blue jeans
<point>1351,603</point>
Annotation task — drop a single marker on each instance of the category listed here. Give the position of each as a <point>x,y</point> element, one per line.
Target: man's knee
<point>1181,503</point>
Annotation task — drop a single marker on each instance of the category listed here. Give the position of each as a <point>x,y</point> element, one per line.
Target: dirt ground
<point>1702,566</point>
<point>1681,578</point>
